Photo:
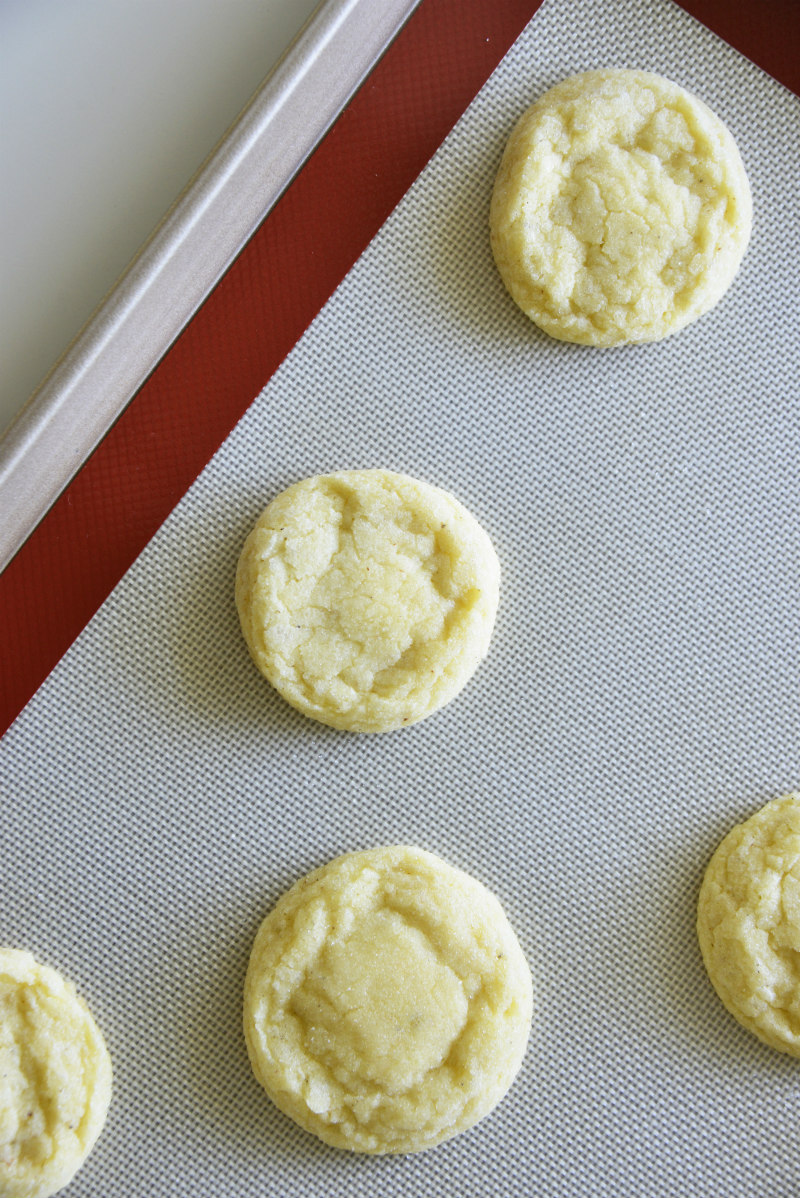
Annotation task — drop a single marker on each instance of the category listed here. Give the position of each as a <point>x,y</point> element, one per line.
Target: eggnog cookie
<point>748,923</point>
<point>387,1002</point>
<point>621,210</point>
<point>55,1078</point>
<point>367,598</point>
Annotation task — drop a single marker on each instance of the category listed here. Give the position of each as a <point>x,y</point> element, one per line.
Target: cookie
<point>55,1078</point>
<point>387,1002</point>
<point>367,598</point>
<point>621,210</point>
<point>748,923</point>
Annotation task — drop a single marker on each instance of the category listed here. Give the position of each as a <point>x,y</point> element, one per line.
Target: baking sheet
<point>639,697</point>
<point>196,242</point>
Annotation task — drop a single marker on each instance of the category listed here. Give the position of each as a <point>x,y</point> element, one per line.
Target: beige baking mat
<point>641,694</point>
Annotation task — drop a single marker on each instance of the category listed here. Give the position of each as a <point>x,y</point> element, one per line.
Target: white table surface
<point>109,107</point>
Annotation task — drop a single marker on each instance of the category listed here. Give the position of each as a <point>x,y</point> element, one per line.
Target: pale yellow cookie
<point>748,923</point>
<point>367,598</point>
<point>621,209</point>
<point>387,1003</point>
<point>55,1078</point>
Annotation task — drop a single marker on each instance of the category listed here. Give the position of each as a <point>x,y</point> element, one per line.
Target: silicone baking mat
<point>639,697</point>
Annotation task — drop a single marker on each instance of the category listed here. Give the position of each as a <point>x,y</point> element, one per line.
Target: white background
<point>108,109</point>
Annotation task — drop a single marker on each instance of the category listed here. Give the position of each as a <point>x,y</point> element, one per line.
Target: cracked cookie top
<point>748,923</point>
<point>55,1078</point>
<point>367,598</point>
<point>387,1002</point>
<point>621,209</point>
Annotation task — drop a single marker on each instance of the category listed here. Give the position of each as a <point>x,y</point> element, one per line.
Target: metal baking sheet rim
<point>89,387</point>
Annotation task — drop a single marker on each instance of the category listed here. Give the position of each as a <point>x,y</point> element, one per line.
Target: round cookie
<point>367,598</point>
<point>621,210</point>
<point>387,1003</point>
<point>748,923</point>
<point>55,1078</point>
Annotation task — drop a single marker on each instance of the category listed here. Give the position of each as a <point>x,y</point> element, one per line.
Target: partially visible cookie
<point>621,209</point>
<point>55,1078</point>
<point>748,923</point>
<point>387,1003</point>
<point>367,598</point>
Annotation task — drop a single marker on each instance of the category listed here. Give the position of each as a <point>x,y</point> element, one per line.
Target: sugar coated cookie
<point>748,923</point>
<point>367,598</point>
<point>55,1078</point>
<point>621,210</point>
<point>387,1002</point>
